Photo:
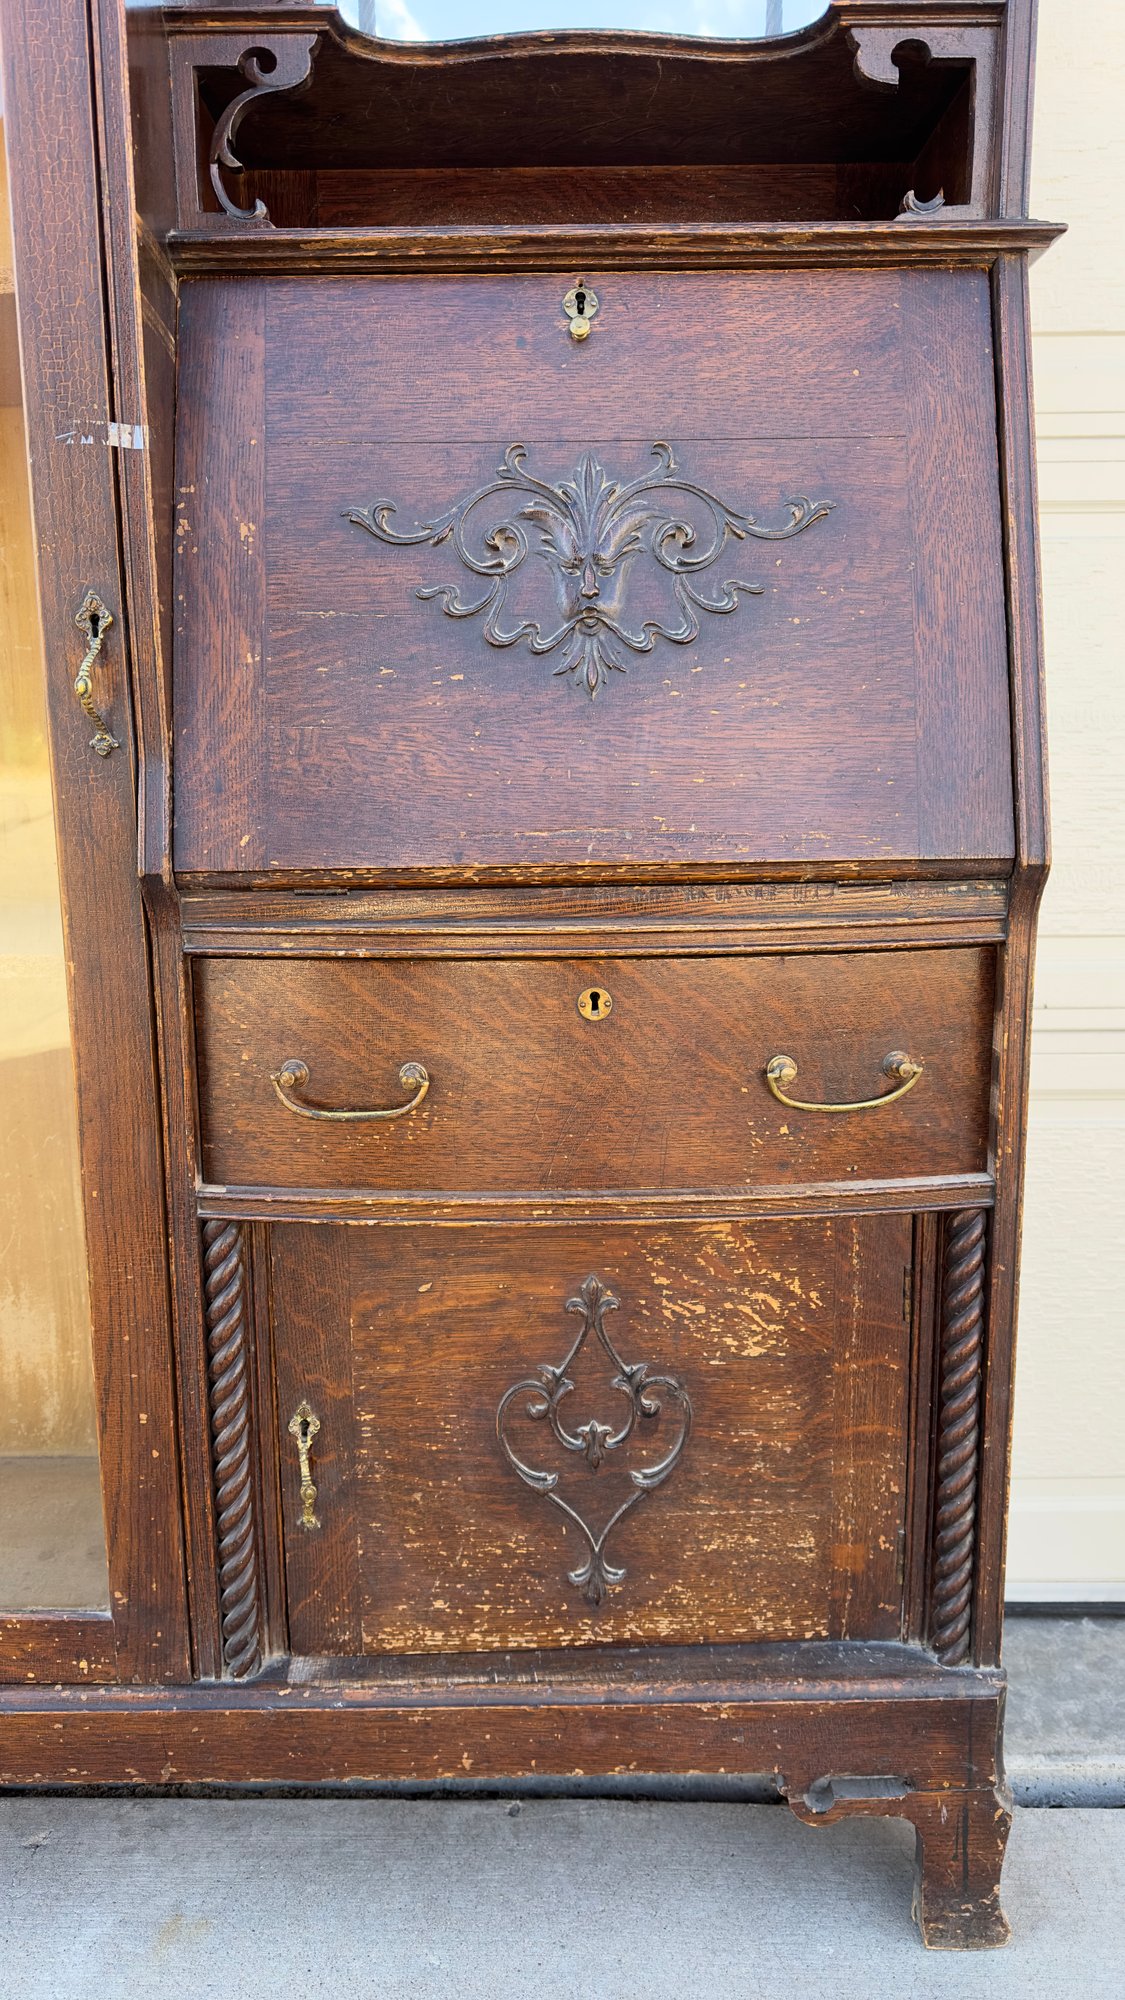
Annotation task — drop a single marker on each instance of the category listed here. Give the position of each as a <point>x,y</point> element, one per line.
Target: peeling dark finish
<point>780,1519</point>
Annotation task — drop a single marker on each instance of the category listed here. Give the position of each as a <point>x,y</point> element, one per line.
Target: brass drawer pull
<point>303,1426</point>
<point>94,619</point>
<point>783,1070</point>
<point>294,1074</point>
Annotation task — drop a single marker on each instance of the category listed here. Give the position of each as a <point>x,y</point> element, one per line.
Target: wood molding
<point>594,920</point>
<point>958,1436</point>
<point>236,1526</point>
<point>394,1207</point>
<point>1014,995</point>
<point>56,1646</point>
<point>753,913</point>
<point>68,393</point>
<point>687,246</point>
<point>639,940</point>
<point>751,1716</point>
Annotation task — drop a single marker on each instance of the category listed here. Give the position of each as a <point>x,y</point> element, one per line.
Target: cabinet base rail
<point>923,1746</point>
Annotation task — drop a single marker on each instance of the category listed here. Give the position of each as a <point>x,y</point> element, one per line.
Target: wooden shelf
<point>550,246</point>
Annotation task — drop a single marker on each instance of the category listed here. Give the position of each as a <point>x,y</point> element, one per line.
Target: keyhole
<point>95,624</point>
<point>580,305</point>
<point>595,1003</point>
<point>302,1430</point>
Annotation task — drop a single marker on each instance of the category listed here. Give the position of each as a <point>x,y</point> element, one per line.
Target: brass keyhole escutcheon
<point>303,1427</point>
<point>595,1003</point>
<point>580,305</point>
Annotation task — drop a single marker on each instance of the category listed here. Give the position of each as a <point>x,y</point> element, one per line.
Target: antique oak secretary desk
<point>551,826</point>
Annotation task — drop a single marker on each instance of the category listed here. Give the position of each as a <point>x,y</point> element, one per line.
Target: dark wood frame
<point>925,1731</point>
<point>62,305</point>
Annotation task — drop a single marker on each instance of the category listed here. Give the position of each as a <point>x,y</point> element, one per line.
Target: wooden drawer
<point>667,1090</point>
<point>776,1364</point>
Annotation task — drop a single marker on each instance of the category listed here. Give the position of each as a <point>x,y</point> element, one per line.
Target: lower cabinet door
<point>496,1438</point>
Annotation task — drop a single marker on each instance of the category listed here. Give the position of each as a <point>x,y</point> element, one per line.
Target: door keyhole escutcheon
<point>595,1003</point>
<point>303,1427</point>
<point>580,305</point>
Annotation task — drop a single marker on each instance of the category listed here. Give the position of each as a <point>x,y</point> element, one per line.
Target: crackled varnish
<point>574,637</point>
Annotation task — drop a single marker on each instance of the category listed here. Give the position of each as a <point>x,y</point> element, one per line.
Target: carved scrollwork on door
<point>648,1399</point>
<point>588,532</point>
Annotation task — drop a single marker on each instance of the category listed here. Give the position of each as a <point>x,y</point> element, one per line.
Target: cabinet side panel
<point>964,742</point>
<point>220,574</point>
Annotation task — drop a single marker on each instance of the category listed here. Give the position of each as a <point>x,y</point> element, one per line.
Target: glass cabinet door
<point>93,1571</point>
<point>52,1549</point>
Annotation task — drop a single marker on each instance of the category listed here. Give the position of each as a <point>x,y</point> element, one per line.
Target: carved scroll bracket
<point>269,64</point>
<point>876,48</point>
<point>283,66</point>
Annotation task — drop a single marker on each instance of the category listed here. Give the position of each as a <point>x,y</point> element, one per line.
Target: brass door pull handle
<point>294,1074</point>
<point>94,619</point>
<point>782,1070</point>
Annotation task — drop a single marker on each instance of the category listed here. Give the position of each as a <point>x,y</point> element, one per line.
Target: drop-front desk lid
<point>718,585</point>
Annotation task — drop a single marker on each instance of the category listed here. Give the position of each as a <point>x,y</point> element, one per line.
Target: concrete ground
<point>566,1899</point>
<point>1065,1725</point>
<point>574,1899</point>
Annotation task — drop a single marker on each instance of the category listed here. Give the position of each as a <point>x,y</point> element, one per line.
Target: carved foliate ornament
<point>648,1399</point>
<point>589,533</point>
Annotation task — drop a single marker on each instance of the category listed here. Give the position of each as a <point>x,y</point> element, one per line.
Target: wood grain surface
<point>746,1709</point>
<point>793,834</point>
<point>61,298</point>
<point>643,101</point>
<point>667,1091</point>
<point>780,1520</point>
<point>828,721</point>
